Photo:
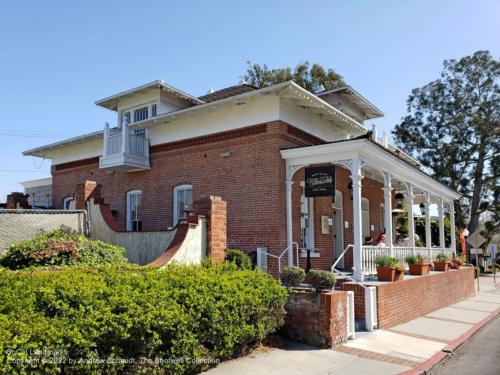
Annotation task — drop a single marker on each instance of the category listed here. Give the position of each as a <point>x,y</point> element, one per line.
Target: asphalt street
<point>479,355</point>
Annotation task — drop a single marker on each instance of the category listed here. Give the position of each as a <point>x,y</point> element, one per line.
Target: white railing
<point>369,253</point>
<point>137,145</point>
<point>261,251</point>
<point>114,144</point>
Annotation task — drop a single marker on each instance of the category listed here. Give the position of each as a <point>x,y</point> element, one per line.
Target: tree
<point>313,78</point>
<point>453,129</point>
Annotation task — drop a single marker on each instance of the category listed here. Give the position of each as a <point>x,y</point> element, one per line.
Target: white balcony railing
<point>114,144</point>
<point>123,150</point>
<point>137,145</point>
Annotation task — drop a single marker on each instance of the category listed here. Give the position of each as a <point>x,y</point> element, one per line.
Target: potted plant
<point>418,264</point>
<point>388,269</point>
<point>442,262</point>
<point>456,262</point>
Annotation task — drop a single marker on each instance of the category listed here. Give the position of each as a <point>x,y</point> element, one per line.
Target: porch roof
<point>372,155</point>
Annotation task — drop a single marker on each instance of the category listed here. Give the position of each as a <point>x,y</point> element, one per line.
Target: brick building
<point>251,147</point>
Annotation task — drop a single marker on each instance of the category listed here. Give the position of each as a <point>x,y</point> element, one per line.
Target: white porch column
<point>289,222</point>
<point>453,244</point>
<point>411,221</point>
<point>357,222</point>
<point>441,224</point>
<point>428,238</point>
<point>388,210</point>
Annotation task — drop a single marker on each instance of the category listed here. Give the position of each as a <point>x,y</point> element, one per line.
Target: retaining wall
<point>317,318</point>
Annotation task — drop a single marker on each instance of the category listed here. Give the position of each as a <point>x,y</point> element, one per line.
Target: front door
<point>338,228</point>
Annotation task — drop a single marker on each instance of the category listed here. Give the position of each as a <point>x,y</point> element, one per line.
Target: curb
<point>448,350</point>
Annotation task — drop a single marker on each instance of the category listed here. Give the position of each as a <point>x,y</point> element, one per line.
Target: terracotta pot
<point>419,268</point>
<point>399,275</point>
<point>386,274</point>
<point>455,265</point>
<point>441,266</point>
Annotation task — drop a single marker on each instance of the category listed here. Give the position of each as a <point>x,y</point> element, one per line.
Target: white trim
<point>36,183</point>
<point>374,156</point>
<point>309,206</point>
<point>128,208</point>
<point>157,83</point>
<point>175,219</point>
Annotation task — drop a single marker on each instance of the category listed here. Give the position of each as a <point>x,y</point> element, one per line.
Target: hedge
<point>178,320</point>
<point>62,247</point>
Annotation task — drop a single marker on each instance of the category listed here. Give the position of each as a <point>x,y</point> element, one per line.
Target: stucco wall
<point>141,247</point>
<point>194,247</point>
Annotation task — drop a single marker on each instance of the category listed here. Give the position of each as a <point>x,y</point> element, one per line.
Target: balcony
<point>124,151</point>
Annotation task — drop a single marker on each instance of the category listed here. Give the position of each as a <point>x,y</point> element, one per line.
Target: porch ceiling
<point>375,160</point>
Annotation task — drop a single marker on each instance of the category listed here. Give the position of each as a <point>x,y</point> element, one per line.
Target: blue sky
<point>58,57</point>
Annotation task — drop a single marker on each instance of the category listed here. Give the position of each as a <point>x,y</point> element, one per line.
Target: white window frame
<point>129,219</point>
<point>307,208</point>
<point>175,219</point>
<point>67,203</point>
<point>131,111</point>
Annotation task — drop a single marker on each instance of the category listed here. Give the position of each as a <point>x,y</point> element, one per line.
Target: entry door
<point>338,228</point>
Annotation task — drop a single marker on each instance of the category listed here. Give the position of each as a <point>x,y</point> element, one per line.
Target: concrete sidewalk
<point>409,348</point>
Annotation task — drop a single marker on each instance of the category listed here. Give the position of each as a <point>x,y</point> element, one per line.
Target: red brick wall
<point>250,180</point>
<point>215,210</point>
<point>401,301</point>
<point>317,319</point>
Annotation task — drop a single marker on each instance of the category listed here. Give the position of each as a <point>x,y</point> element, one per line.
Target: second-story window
<point>141,114</point>
<point>153,110</point>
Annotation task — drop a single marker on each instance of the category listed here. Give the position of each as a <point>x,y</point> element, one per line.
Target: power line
<point>22,170</point>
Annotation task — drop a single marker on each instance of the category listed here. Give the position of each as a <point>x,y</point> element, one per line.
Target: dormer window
<point>141,113</point>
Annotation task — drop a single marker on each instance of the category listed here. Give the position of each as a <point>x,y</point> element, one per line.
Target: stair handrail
<point>292,245</point>
<point>334,270</point>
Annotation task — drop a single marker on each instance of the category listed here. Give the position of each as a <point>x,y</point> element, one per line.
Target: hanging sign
<point>320,182</point>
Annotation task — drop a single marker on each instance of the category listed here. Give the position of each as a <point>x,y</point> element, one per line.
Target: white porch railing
<point>369,253</point>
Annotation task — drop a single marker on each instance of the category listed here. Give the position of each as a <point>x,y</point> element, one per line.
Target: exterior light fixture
<point>400,198</point>
<point>422,209</point>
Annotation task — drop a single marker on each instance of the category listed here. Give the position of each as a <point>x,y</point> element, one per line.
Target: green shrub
<point>240,258</point>
<point>292,276</point>
<point>442,257</point>
<point>62,247</point>
<point>178,314</point>
<point>385,261</point>
<point>320,280</point>
<point>411,259</point>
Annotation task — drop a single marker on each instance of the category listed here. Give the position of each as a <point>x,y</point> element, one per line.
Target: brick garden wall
<point>317,319</point>
<point>401,301</point>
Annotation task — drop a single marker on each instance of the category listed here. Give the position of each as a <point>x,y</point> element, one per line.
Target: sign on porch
<point>320,181</point>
